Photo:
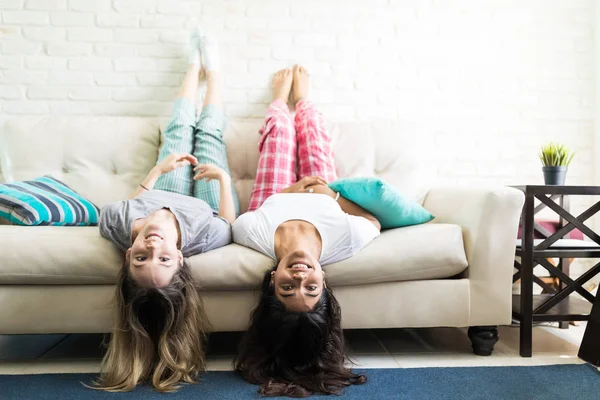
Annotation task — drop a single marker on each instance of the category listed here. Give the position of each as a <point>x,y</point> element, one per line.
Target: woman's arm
<point>168,164</point>
<point>347,206</point>
<point>148,183</point>
<point>226,204</point>
<point>352,208</point>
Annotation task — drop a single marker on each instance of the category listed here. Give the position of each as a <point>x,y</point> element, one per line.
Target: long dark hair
<point>295,354</point>
<point>158,335</point>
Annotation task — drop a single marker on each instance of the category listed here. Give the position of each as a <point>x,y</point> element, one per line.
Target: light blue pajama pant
<point>204,140</point>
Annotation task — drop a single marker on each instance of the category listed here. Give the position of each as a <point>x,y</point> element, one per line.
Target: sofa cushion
<point>429,251</point>
<point>102,158</point>
<point>79,255</point>
<point>55,255</point>
<point>419,252</point>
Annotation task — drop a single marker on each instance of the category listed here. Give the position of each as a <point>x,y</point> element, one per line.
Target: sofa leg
<point>483,339</point>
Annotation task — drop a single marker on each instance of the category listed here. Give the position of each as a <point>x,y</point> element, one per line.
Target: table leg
<point>565,263</point>
<point>565,266</point>
<point>526,326</point>
<point>590,345</point>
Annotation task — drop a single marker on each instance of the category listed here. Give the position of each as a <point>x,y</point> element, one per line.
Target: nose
<point>299,275</point>
<point>151,243</point>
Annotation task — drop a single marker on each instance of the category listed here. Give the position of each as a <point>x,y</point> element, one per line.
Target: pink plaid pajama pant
<point>291,149</point>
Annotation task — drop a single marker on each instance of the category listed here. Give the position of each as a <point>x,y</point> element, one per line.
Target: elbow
<point>375,222</point>
<point>229,218</point>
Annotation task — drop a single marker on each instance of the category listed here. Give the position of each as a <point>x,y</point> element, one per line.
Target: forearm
<point>226,204</point>
<point>148,183</point>
<point>352,208</point>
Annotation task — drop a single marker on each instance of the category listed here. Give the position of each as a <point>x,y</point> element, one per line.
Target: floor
<point>382,348</point>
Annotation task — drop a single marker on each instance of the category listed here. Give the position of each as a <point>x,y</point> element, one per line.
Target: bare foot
<point>300,83</point>
<point>282,84</point>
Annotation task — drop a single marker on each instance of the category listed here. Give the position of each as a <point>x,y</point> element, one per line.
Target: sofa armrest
<point>489,217</point>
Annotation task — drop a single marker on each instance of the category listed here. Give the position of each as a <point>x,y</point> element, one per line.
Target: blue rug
<point>580,382</point>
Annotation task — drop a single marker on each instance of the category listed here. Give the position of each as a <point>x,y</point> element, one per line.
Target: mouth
<point>154,235</point>
<point>299,267</point>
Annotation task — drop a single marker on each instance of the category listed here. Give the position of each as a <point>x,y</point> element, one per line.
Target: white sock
<point>209,49</point>
<point>195,43</point>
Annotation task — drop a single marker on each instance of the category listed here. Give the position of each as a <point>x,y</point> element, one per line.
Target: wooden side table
<point>557,306</point>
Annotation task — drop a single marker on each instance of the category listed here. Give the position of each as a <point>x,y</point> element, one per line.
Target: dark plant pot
<point>554,175</point>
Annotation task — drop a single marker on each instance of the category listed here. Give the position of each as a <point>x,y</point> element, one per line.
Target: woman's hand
<point>210,172</point>
<point>174,161</point>
<point>321,189</point>
<point>303,184</point>
<point>167,164</point>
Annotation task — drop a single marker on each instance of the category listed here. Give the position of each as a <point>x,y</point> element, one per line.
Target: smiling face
<point>154,257</point>
<point>298,281</point>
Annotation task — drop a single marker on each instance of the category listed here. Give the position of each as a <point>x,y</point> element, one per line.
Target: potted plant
<point>555,159</point>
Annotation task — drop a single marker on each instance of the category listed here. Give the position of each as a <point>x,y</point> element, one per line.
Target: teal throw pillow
<point>385,202</point>
<point>45,201</point>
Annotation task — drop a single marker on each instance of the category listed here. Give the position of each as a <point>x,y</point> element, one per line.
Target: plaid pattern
<point>205,141</point>
<point>283,140</point>
<point>277,161</point>
<point>315,154</point>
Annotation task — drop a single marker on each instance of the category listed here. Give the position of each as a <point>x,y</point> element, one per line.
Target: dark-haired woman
<point>294,346</point>
<point>176,212</point>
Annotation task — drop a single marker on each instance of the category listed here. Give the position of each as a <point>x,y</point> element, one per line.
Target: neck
<point>297,235</point>
<point>161,216</point>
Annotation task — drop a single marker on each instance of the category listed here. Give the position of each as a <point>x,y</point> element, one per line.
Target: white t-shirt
<point>342,235</point>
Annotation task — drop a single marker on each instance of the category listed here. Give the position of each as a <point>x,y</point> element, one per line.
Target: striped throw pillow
<point>45,201</point>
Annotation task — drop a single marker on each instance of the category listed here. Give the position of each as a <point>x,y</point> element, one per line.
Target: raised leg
<point>483,339</point>
<point>179,135</point>
<point>315,153</point>
<point>277,146</point>
<point>209,147</point>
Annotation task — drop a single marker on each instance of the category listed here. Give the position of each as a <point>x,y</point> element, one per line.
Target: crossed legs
<point>291,147</point>
<point>204,138</point>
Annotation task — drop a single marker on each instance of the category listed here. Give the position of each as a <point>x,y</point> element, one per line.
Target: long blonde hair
<point>158,336</point>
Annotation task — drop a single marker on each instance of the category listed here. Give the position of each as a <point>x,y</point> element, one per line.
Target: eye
<point>287,288</point>
<point>164,259</point>
<point>311,288</point>
<point>140,258</point>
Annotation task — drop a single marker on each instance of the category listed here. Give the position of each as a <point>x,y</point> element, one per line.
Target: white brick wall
<point>489,80</point>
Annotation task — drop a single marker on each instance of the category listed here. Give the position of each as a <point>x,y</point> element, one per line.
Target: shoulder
<point>112,210</point>
<point>244,221</point>
<point>362,231</point>
<point>219,234</point>
<point>245,226</point>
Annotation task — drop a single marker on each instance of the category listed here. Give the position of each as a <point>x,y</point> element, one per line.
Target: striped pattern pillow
<point>45,201</point>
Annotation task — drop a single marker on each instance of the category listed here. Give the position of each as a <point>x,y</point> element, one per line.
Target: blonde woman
<point>161,324</point>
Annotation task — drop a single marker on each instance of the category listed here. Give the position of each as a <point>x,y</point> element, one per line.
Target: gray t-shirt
<point>201,228</point>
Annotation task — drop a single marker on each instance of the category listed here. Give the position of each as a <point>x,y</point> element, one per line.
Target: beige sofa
<point>455,271</point>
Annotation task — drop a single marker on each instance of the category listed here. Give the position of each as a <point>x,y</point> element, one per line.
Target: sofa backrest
<point>105,158</point>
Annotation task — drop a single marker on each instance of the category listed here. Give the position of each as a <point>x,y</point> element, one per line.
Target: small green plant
<point>556,155</point>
